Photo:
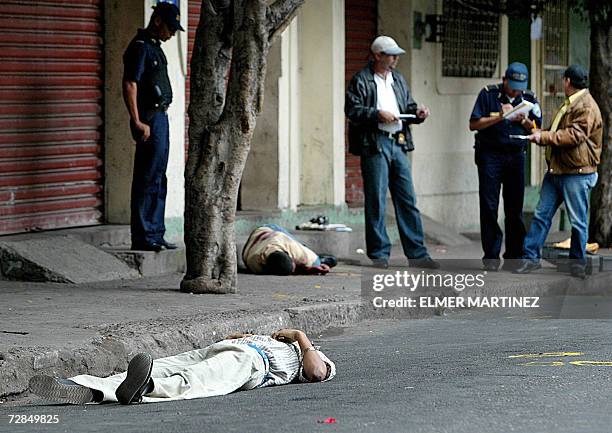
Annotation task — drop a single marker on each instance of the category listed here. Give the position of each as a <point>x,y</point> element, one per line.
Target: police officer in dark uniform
<point>500,157</point>
<point>148,94</point>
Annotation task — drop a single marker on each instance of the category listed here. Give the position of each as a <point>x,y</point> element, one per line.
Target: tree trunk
<point>233,37</point>
<point>601,89</point>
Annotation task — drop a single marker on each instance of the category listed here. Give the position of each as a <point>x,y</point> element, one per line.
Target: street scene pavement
<point>462,372</point>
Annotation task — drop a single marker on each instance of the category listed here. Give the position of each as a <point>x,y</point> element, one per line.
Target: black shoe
<point>156,247</point>
<point>136,383</point>
<point>168,245</point>
<point>60,390</point>
<point>380,263</point>
<point>512,265</point>
<point>490,265</point>
<point>578,272</point>
<point>425,263</point>
<point>329,260</point>
<point>527,266</point>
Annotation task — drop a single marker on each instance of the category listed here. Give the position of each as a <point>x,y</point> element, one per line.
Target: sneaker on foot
<point>60,390</point>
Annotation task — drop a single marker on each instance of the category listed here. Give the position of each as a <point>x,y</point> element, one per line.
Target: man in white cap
<point>380,109</point>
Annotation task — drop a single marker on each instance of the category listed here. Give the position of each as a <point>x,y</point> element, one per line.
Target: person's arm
<point>485,122</point>
<point>313,367</point>
<point>576,133</point>
<point>130,97</point>
<point>237,335</point>
<point>355,108</point>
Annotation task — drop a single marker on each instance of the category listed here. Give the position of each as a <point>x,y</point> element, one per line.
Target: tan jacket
<point>576,144</point>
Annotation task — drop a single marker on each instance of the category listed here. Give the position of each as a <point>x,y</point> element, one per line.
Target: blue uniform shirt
<point>145,63</point>
<point>489,101</point>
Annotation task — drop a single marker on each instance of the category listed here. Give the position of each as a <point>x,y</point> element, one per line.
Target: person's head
<point>279,263</point>
<point>386,53</point>
<point>515,79</point>
<point>575,78</point>
<point>165,21</point>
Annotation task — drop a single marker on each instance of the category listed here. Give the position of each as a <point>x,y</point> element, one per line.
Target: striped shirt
<point>284,360</point>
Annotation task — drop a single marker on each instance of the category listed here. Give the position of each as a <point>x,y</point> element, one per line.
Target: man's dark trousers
<point>149,184</point>
<point>497,169</point>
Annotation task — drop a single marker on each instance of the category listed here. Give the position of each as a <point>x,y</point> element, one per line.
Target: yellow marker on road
<point>547,355</point>
<point>593,363</point>
<point>544,363</point>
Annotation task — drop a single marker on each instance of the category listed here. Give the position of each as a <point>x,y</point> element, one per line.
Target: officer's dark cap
<point>578,76</point>
<point>517,75</point>
<point>169,14</point>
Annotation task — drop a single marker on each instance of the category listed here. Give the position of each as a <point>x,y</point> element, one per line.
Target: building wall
<point>443,166</point>
<point>122,21</point>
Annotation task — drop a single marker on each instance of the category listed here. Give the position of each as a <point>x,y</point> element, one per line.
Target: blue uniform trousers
<point>494,170</point>
<point>149,183</point>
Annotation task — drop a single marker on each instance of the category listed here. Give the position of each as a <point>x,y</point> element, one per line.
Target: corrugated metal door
<point>361,18</point>
<point>50,114</point>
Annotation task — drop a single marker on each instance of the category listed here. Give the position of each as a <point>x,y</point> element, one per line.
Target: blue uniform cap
<point>517,75</point>
<point>169,14</point>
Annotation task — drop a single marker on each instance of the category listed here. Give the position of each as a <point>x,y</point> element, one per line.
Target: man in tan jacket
<point>573,149</point>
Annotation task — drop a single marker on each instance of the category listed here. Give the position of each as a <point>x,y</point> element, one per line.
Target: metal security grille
<point>470,46</point>
<point>555,54</point>
<point>50,114</point>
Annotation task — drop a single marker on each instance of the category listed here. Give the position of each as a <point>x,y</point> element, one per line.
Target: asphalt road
<point>466,372</point>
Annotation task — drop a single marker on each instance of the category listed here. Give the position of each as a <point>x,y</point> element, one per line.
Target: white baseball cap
<point>385,44</point>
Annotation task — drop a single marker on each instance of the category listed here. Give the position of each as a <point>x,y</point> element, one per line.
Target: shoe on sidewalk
<point>380,263</point>
<point>527,266</point>
<point>156,247</point>
<point>578,271</point>
<point>60,390</point>
<point>137,381</point>
<point>168,245</point>
<point>425,263</point>
<point>490,265</point>
<point>328,259</point>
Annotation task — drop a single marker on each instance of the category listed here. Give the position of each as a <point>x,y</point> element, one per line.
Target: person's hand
<point>506,107</point>
<point>237,335</point>
<point>423,112</point>
<point>322,269</point>
<point>287,335</point>
<point>519,117</point>
<point>387,117</point>
<point>535,136</point>
<point>144,129</point>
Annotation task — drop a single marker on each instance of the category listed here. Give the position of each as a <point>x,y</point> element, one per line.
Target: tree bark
<point>233,37</point>
<point>601,89</point>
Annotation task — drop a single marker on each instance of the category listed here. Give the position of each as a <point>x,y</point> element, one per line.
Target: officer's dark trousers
<point>494,171</point>
<point>149,183</point>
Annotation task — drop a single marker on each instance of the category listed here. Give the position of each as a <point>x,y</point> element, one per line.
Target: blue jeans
<point>390,169</point>
<point>149,183</point>
<point>494,170</point>
<point>574,191</point>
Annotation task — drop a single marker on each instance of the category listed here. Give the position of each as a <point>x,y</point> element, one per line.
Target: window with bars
<point>470,46</point>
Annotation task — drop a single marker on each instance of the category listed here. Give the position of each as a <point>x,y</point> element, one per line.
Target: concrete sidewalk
<point>63,329</point>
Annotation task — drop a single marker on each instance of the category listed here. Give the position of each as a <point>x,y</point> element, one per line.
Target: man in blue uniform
<point>147,94</point>
<point>500,157</point>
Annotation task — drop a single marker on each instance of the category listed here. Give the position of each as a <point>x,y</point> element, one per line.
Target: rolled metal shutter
<point>361,17</point>
<point>50,114</point>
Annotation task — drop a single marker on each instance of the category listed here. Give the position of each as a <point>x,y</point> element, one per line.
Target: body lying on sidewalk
<point>272,250</point>
<point>240,362</point>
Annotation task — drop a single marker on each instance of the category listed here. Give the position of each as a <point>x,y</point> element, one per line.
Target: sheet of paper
<point>520,137</point>
<point>524,108</point>
<point>407,116</point>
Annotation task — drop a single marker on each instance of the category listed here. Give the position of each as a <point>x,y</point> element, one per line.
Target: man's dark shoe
<point>60,390</point>
<point>512,265</point>
<point>380,263</point>
<point>136,383</point>
<point>527,266</point>
<point>329,260</point>
<point>156,247</point>
<point>490,265</point>
<point>425,263</point>
<point>168,245</point>
<point>578,271</point>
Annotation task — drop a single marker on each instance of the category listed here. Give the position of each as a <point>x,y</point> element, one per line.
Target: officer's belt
<point>497,148</point>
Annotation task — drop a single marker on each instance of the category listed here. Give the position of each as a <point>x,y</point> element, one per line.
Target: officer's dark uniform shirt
<point>497,137</point>
<point>145,63</point>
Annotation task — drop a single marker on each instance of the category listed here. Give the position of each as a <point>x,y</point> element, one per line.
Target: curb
<point>111,351</point>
